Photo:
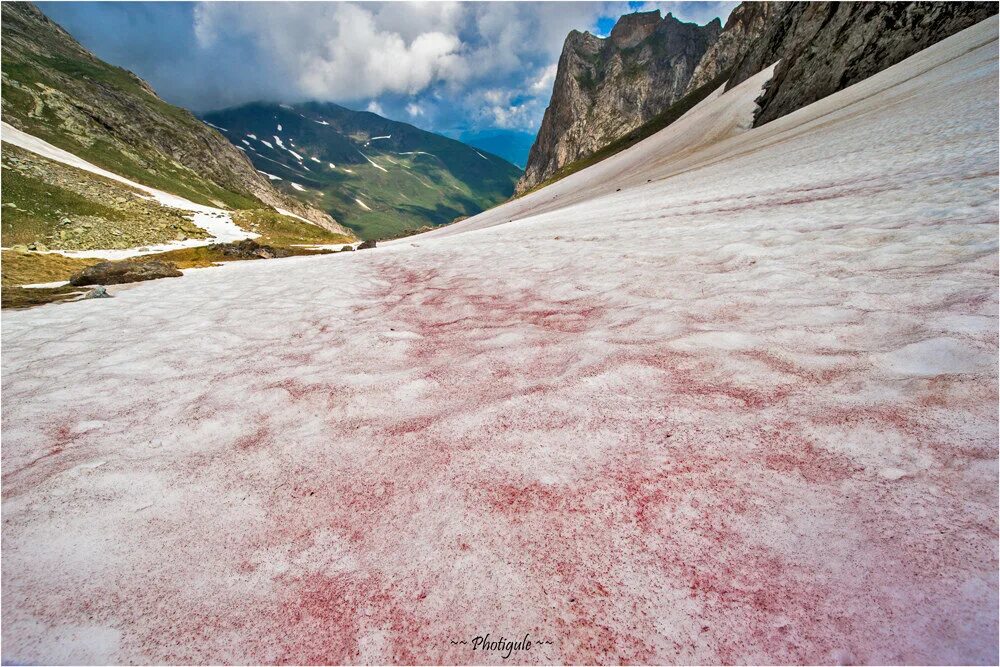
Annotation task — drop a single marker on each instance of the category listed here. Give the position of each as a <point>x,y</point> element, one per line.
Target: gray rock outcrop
<point>607,87</point>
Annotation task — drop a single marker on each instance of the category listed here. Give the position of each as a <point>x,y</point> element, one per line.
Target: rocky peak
<point>633,28</point>
<point>606,87</point>
<point>746,23</point>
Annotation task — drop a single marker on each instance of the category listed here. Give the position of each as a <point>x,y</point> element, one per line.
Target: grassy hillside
<point>379,177</point>
<point>56,90</point>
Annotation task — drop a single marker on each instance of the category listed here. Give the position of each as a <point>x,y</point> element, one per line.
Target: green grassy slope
<point>380,177</point>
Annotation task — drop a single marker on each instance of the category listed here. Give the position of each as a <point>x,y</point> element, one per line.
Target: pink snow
<point>719,399</point>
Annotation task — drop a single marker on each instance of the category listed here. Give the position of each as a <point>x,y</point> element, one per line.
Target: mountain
<point>745,24</point>
<point>727,397</point>
<point>824,47</point>
<point>606,87</point>
<point>380,177</point>
<point>511,145</point>
<point>57,91</point>
<point>819,48</point>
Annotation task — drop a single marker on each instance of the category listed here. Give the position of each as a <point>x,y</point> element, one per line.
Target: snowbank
<point>743,413</point>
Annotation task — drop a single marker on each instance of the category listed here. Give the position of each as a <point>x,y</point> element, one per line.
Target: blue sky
<point>443,66</point>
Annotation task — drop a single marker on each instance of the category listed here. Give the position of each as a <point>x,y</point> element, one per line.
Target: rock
<point>20,248</point>
<point>824,47</point>
<point>745,24</point>
<point>38,247</point>
<point>606,88</point>
<point>10,205</point>
<point>127,271</point>
<point>99,292</point>
<point>367,245</point>
<point>250,249</point>
<point>66,222</point>
<point>347,248</point>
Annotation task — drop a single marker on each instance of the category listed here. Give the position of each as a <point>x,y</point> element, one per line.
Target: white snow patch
<point>57,283</point>
<point>373,163</point>
<point>362,204</point>
<point>297,186</point>
<point>270,176</point>
<point>279,127</point>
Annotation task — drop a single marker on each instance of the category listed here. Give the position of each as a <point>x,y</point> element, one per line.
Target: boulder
<point>250,249</point>
<point>99,292</point>
<point>128,271</point>
<point>366,245</point>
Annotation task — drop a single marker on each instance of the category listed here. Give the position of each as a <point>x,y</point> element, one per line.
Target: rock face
<point>128,271</point>
<point>827,46</point>
<point>745,24</point>
<point>55,89</point>
<point>604,88</point>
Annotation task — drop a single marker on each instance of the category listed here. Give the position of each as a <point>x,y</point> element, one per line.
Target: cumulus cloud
<point>448,64</point>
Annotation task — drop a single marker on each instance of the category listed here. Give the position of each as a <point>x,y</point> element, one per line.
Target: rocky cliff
<point>606,87</point>
<point>820,47</point>
<point>745,24</point>
<point>55,89</point>
<point>827,46</point>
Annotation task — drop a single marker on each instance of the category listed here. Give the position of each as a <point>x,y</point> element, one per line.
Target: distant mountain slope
<point>380,177</point>
<point>511,145</point>
<point>56,90</point>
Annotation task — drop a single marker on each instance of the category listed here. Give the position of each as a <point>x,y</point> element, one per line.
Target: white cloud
<point>543,82</point>
<point>446,64</point>
<point>375,107</point>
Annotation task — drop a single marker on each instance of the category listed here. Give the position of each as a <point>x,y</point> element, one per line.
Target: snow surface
<point>743,413</point>
<point>270,176</point>
<point>373,163</point>
<point>297,186</point>
<point>362,204</point>
<point>216,221</point>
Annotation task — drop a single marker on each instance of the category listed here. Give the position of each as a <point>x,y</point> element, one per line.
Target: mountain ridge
<point>380,177</point>
<point>608,86</point>
<point>820,48</point>
<point>55,89</point>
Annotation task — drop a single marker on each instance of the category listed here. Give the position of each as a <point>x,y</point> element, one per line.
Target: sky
<point>449,67</point>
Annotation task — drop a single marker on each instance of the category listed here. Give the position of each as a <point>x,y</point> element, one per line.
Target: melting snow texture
<point>743,412</point>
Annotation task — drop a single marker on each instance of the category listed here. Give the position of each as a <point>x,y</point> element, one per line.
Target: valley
<point>718,388</point>
<point>381,178</point>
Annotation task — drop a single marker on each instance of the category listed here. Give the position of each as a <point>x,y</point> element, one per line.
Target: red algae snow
<point>742,411</point>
